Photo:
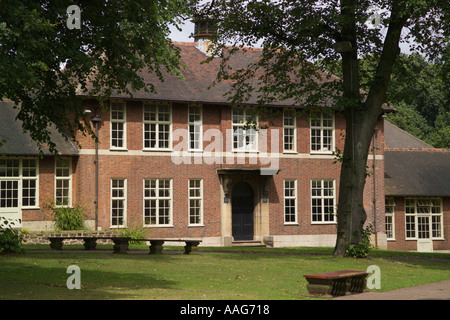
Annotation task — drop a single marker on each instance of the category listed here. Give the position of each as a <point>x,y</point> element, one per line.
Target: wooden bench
<point>337,283</point>
<point>156,245</point>
<point>90,243</point>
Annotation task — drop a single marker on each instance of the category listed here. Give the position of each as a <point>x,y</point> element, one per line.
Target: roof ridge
<point>417,149</point>
<point>190,43</point>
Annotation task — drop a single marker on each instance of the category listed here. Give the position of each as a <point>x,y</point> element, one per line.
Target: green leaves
<point>10,238</point>
<point>45,66</point>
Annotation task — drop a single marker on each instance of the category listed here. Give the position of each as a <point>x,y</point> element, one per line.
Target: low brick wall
<point>41,238</point>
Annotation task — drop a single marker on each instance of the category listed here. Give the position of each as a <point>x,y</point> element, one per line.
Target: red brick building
<point>183,163</point>
<point>417,184</point>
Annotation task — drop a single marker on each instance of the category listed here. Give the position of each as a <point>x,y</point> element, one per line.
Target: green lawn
<point>273,274</point>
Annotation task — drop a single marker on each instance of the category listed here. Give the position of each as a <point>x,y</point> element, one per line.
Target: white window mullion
<point>323,201</point>
<point>290,201</point>
<point>322,133</point>
<point>158,206</point>
<point>245,136</point>
<point>195,198</point>
<point>390,218</point>
<point>157,119</point>
<point>118,203</point>
<point>289,131</point>
<point>118,124</point>
<point>195,127</point>
<point>63,182</point>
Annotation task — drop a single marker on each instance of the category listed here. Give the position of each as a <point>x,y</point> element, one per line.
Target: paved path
<point>431,291</point>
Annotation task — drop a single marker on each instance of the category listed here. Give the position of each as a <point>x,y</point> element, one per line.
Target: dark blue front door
<point>242,211</point>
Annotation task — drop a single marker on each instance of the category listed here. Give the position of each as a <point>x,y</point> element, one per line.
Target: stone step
<point>248,243</point>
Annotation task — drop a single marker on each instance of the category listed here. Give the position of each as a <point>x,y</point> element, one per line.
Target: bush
<point>10,239</point>
<point>133,233</point>
<point>67,218</point>
<point>362,249</point>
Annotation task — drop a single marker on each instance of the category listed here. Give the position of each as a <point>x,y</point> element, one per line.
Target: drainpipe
<point>374,192</point>
<point>96,120</point>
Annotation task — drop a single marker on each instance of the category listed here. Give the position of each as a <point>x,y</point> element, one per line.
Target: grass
<point>220,274</point>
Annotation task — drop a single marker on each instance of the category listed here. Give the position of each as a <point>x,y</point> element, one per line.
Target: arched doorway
<point>242,211</point>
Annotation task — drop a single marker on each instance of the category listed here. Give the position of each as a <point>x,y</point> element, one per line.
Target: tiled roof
<point>413,167</point>
<point>198,78</point>
<point>394,137</point>
<point>18,143</point>
<point>417,173</point>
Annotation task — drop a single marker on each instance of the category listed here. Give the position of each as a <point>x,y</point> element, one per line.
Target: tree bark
<point>361,118</point>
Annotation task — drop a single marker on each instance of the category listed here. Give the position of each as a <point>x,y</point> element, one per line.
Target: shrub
<point>67,218</point>
<point>133,233</point>
<point>362,249</point>
<point>10,239</point>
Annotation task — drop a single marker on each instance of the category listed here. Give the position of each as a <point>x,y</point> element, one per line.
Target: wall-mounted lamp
<point>225,198</point>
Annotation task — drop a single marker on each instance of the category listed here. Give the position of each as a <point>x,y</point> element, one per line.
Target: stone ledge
<point>41,238</point>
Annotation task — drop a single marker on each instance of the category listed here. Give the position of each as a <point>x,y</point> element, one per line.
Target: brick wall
<point>400,242</point>
<point>135,165</point>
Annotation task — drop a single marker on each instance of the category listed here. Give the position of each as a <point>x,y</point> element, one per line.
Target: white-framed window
<point>322,133</point>
<point>158,202</point>
<point>424,218</point>
<point>63,182</point>
<point>157,126</point>
<point>323,201</point>
<point>290,201</point>
<point>245,136</point>
<point>118,120</point>
<point>195,202</point>
<point>19,183</point>
<point>118,202</point>
<point>389,218</point>
<point>289,131</point>
<point>195,127</point>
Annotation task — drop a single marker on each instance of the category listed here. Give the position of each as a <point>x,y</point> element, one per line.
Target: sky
<point>188,29</point>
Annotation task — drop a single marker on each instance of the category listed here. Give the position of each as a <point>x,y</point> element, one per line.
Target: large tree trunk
<point>351,214</point>
<point>361,118</point>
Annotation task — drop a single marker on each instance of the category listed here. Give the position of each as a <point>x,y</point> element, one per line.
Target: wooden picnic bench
<point>337,283</point>
<point>121,243</point>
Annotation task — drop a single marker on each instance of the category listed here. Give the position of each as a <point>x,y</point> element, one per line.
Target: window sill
<point>289,152</point>
<point>245,151</point>
<point>156,150</point>
<point>30,208</point>
<point>196,225</point>
<point>118,150</point>
<point>290,224</point>
<point>330,153</point>
<point>324,223</point>
<point>158,226</point>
